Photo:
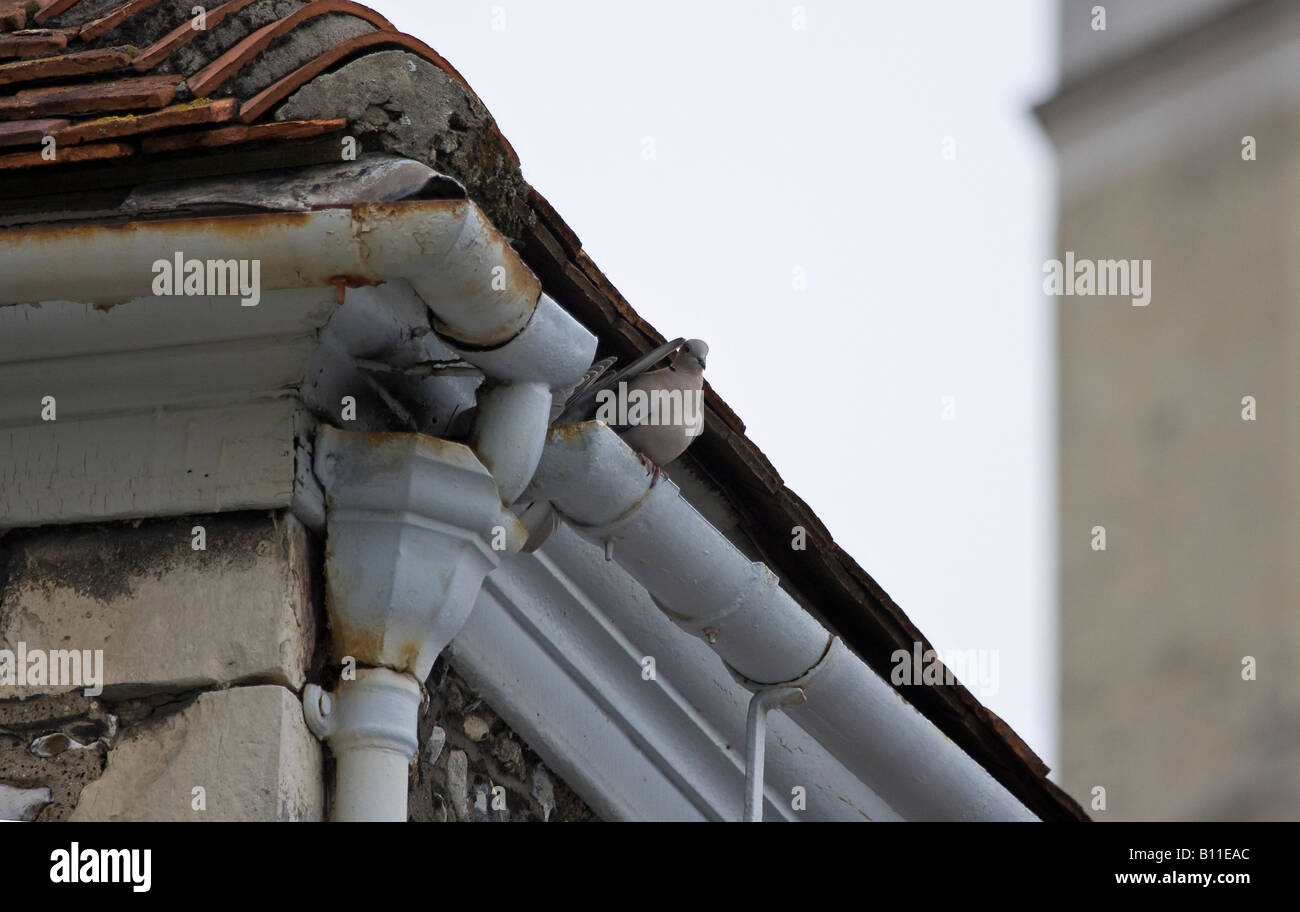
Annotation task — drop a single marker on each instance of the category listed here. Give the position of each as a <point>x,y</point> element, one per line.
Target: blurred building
<point>1177,130</point>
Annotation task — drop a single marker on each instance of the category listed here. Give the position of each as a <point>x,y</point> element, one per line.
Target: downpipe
<point>414,523</point>
<point>370,726</point>
<point>514,404</point>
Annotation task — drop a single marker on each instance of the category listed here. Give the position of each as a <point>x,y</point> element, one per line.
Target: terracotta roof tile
<point>211,77</point>
<point>75,155</point>
<point>186,115</point>
<point>32,42</point>
<point>242,133</point>
<point>92,30</point>
<point>90,98</point>
<point>82,63</point>
<point>51,8</point>
<point>184,33</point>
<point>28,132</point>
<point>69,54</point>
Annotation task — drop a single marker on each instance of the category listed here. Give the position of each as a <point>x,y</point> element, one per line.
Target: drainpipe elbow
<point>551,352</point>
<point>510,431</point>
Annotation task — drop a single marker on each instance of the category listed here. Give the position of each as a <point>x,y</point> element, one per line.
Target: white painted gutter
<point>412,520</point>
<point>451,255</point>
<point>485,302</point>
<point>763,636</point>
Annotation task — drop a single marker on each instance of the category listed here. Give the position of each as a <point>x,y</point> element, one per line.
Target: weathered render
<point>100,587</point>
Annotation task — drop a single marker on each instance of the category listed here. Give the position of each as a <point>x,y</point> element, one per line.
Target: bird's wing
<point>562,397</point>
<point>578,406</point>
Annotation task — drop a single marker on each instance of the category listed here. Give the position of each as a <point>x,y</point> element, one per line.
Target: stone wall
<point>472,767</point>
<point>208,629</point>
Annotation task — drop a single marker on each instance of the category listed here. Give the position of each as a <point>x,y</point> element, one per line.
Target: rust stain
<point>344,282</point>
<point>519,279</point>
<point>569,433</point>
<point>366,646</point>
<point>408,656</point>
<point>362,645</point>
<point>254,226</point>
<point>375,211</point>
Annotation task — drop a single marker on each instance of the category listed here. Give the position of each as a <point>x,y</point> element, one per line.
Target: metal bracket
<point>318,711</point>
<point>760,705</point>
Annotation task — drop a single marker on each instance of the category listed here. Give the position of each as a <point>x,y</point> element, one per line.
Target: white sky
<point>777,148</point>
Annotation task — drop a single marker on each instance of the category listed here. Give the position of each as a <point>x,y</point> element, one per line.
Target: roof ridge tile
<point>51,8</point>
<point>184,33</point>
<point>224,67</point>
<point>92,30</point>
<point>279,90</point>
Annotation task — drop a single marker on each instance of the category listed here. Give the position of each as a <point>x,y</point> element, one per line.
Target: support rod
<point>760,705</point>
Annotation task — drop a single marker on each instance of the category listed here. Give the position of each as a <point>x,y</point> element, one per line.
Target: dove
<point>579,399</point>
<point>662,442</point>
